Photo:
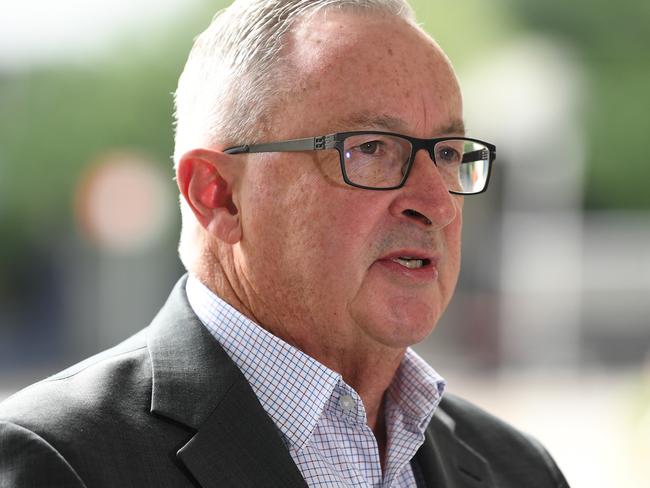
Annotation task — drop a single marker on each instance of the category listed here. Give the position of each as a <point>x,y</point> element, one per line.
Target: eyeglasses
<point>383,160</point>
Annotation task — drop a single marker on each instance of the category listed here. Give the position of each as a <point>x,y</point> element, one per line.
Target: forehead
<point>356,71</point>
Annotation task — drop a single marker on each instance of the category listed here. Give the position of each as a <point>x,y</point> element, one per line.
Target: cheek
<point>303,224</point>
<point>334,241</point>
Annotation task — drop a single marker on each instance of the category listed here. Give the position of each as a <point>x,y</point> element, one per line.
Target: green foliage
<point>466,30</point>
<point>57,120</point>
<point>619,126</point>
<point>60,121</point>
<point>612,38</point>
<point>602,29</point>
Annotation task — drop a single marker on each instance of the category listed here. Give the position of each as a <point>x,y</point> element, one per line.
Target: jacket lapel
<point>195,383</point>
<point>446,461</point>
<point>240,446</point>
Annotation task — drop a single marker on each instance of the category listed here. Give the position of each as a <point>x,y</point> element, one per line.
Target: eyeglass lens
<point>380,161</point>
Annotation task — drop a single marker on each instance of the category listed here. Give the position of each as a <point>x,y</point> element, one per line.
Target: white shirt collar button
<point>347,403</point>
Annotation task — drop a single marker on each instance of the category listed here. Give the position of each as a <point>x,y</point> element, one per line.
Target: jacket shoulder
<point>75,398</point>
<point>71,423</point>
<point>27,450</point>
<point>510,453</point>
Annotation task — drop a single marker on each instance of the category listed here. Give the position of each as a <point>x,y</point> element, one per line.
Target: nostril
<point>416,215</point>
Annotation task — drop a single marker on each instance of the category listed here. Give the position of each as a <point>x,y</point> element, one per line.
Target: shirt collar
<point>416,390</point>
<point>293,387</point>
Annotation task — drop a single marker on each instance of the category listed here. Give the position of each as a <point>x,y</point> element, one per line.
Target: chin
<point>401,326</point>
<point>397,317</point>
<point>406,334</point>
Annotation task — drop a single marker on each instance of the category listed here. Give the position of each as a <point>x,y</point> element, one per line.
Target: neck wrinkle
<point>216,275</point>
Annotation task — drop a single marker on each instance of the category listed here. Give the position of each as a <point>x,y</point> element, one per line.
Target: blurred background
<point>550,327</point>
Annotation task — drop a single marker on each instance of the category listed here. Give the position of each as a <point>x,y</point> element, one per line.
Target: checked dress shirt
<point>321,419</point>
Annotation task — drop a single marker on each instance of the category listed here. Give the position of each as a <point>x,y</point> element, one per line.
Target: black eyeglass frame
<point>337,140</point>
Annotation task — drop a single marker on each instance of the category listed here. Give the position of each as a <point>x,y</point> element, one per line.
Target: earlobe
<point>207,186</point>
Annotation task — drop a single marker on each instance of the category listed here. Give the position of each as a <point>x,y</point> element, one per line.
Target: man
<point>322,163</point>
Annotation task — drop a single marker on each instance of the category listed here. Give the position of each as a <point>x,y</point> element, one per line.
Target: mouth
<point>411,265</point>
<point>411,262</point>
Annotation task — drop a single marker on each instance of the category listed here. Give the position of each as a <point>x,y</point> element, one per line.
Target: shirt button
<point>347,403</point>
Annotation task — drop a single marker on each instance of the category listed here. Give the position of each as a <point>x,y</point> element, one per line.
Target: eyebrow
<point>365,120</point>
<point>456,127</point>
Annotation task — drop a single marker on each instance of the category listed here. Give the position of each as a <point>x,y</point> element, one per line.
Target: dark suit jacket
<point>168,408</point>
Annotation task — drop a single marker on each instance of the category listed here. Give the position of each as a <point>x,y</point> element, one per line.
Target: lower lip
<point>428,272</point>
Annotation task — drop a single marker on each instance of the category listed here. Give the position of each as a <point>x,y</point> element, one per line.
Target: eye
<point>369,147</point>
<point>448,154</point>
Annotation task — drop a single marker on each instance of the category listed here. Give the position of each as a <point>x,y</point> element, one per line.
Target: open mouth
<point>410,262</point>
<point>414,266</point>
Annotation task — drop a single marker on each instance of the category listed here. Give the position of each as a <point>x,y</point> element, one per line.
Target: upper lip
<point>412,254</point>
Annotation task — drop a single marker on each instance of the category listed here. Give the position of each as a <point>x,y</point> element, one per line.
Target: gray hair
<point>237,70</point>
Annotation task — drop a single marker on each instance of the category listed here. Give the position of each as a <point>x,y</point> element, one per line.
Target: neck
<point>370,375</point>
<point>365,365</point>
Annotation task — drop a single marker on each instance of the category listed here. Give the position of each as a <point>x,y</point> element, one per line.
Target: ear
<point>205,179</point>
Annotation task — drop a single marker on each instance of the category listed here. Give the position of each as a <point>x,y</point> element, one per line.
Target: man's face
<point>318,257</point>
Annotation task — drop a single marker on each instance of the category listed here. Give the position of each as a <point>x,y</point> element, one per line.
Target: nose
<point>424,199</point>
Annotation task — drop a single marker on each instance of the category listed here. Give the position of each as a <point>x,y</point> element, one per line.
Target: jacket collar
<point>445,460</point>
<point>196,384</point>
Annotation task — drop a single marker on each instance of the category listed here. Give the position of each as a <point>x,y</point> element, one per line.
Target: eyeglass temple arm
<point>478,155</point>
<point>307,144</point>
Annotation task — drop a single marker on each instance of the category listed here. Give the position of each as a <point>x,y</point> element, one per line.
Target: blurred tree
<point>56,119</point>
<point>612,38</point>
<point>467,30</point>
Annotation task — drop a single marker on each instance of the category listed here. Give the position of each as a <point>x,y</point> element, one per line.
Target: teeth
<point>409,263</point>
